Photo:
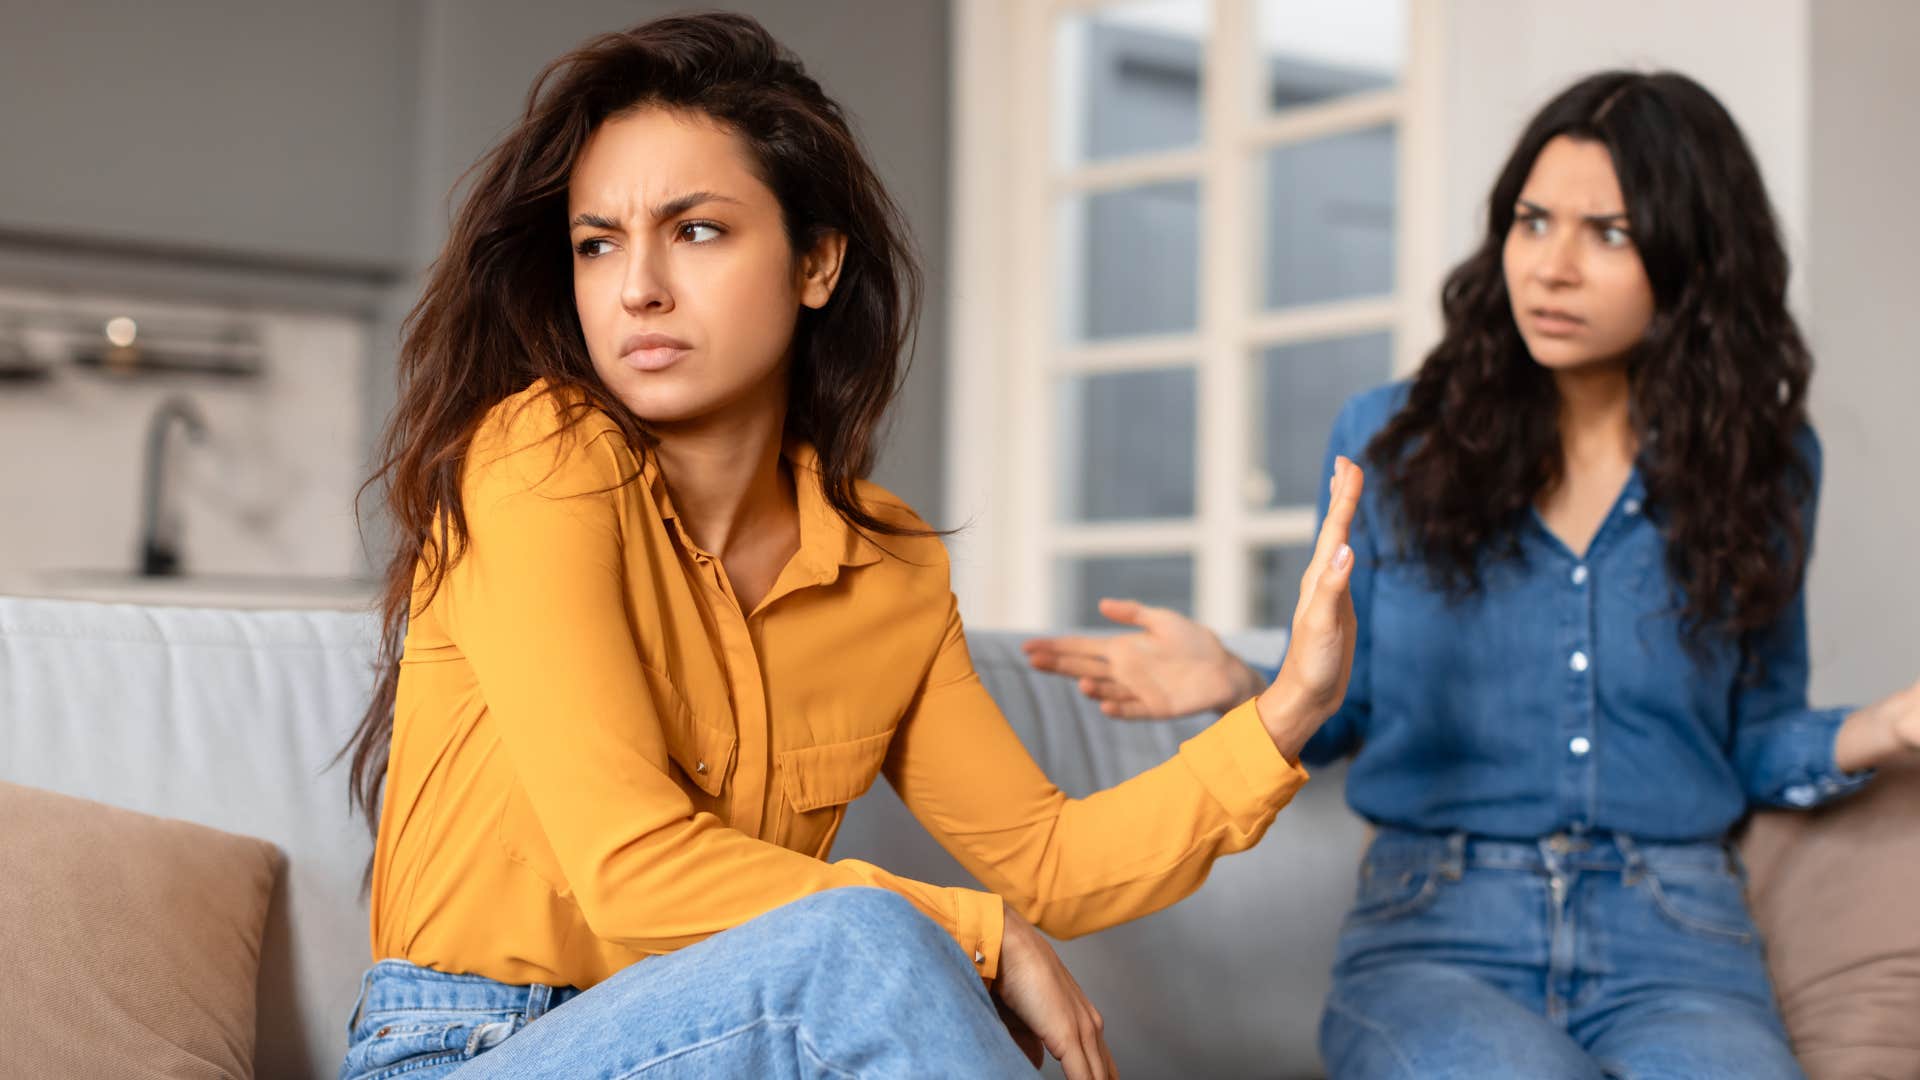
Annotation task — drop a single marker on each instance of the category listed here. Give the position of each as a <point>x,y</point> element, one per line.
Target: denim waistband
<point>1599,852</point>
<point>397,986</point>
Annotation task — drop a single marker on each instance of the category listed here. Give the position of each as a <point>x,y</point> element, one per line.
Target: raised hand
<point>1312,682</point>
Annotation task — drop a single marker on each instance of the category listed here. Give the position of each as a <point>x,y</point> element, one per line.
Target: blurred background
<point>1164,241</point>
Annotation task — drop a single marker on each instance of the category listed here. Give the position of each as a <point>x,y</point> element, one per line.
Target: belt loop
<point>359,1002</point>
<point>539,1000</point>
<point>1456,863</point>
<point>1636,867</point>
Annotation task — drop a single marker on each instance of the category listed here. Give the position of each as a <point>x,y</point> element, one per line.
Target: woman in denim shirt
<point>1582,641</point>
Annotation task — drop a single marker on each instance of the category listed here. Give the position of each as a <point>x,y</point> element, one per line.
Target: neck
<point>1596,414</point>
<point>726,476</point>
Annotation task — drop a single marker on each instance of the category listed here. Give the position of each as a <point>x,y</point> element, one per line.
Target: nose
<point>645,287</point>
<point>1558,259</point>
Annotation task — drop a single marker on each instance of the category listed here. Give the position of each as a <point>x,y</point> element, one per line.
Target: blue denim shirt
<point>1561,696</point>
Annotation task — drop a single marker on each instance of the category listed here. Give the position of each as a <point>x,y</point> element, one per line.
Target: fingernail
<point>1342,557</point>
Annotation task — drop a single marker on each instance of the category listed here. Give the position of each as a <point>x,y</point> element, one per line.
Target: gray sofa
<point>229,718</point>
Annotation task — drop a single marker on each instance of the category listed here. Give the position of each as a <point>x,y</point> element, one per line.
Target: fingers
<point>1335,530</point>
<point>1100,688</point>
<point>1073,1061</point>
<point>1129,709</point>
<point>1323,608</point>
<point>1048,654</point>
<point>1348,482</point>
<point>1129,612</point>
<point>1073,665</point>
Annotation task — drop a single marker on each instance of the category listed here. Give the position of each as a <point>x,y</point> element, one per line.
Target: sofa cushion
<point>1834,891</point>
<point>131,943</point>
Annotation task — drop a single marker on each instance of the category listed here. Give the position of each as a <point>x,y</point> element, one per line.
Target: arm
<point>1078,865</point>
<point>537,603</point>
<point>1788,753</point>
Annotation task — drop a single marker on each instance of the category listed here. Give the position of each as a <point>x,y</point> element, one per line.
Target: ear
<point>820,268</point>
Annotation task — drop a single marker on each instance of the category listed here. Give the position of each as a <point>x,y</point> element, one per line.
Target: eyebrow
<point>1595,219</point>
<point>673,207</point>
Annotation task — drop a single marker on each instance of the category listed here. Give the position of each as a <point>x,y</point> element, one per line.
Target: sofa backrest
<point>228,719</point>
<point>231,719</point>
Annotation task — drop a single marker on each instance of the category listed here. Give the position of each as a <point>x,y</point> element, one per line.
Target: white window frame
<point>1004,353</point>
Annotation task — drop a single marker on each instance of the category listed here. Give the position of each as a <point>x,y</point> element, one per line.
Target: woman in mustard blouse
<point>650,632</point>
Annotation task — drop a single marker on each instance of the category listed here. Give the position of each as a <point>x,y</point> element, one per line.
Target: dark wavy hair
<point>498,311</point>
<point>1718,382</point>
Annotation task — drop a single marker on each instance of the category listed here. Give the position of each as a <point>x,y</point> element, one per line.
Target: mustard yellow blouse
<point>598,756</point>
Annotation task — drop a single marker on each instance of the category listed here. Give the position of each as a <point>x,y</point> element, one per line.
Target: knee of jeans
<point>878,918</point>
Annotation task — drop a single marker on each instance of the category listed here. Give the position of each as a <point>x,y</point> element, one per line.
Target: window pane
<point>1311,50</point>
<point>1160,580</point>
<point>1128,79</point>
<point>1131,261</point>
<point>1127,445</point>
<point>1276,577</point>
<point>1300,389</point>
<point>1329,208</point>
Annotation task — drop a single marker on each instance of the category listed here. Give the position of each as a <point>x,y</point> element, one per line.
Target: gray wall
<point>1861,278</point>
<point>271,129</point>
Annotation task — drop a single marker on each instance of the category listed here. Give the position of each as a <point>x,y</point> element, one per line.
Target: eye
<point>1615,236</point>
<point>1531,224</point>
<point>699,232</point>
<point>590,249</point>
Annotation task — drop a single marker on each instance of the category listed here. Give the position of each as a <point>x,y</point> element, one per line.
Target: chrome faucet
<point>159,531</point>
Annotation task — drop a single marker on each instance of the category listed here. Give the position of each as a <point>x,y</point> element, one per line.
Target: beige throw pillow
<point>130,944</point>
<point>1837,894</point>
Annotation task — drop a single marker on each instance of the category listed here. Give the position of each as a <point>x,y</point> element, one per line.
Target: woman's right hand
<point>1173,666</point>
<point>1041,994</point>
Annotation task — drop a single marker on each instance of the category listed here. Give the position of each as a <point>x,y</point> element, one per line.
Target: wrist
<point>1289,718</point>
<point>1241,680</point>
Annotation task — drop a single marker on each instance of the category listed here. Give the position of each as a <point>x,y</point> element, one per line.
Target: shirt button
<point>699,766</point>
<point>979,957</point>
<point>1580,575</point>
<point>1580,746</point>
<point>1579,661</point>
<point>1632,507</point>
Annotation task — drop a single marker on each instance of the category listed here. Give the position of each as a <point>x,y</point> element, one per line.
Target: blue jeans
<point>1567,957</point>
<point>848,982</point>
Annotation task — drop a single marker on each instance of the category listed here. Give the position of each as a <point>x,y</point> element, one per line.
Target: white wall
<point>268,493</point>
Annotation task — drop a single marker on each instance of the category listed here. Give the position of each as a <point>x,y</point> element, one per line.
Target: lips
<point>1553,321</point>
<point>652,351</point>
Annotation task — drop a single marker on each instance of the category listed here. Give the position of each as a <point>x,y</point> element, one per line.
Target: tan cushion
<point>130,944</point>
<point>1837,894</point>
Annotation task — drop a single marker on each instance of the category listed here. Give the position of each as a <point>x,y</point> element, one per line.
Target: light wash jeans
<point>844,983</point>
<point>1570,957</point>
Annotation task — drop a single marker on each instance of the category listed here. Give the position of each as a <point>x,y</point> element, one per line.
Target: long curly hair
<point>1718,383</point>
<point>498,314</point>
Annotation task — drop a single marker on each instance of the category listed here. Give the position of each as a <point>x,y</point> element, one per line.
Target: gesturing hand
<point>1173,666</point>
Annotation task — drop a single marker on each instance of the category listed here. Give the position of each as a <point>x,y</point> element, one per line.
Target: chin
<point>1557,355</point>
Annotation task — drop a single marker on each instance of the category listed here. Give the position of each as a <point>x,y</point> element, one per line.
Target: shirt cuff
<point>1822,780</point>
<point>1236,761</point>
<point>983,925</point>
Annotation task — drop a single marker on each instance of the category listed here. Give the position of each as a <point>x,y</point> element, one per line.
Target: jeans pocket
<point>1709,903</point>
<point>410,1042</point>
<point>1391,890</point>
